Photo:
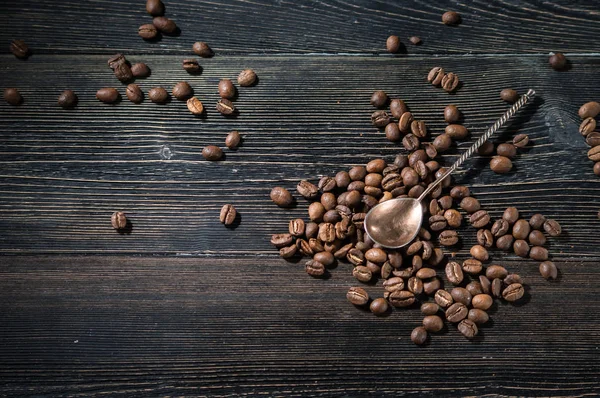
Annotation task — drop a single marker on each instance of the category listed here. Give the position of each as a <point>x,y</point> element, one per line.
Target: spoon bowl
<point>394,223</point>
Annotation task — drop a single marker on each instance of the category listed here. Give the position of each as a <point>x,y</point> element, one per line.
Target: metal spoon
<point>396,222</point>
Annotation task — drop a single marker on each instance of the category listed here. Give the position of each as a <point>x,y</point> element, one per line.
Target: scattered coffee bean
<point>442,142</point>
<point>164,24</point>
<point>19,49</point>
<point>443,298</point>
<point>587,126</point>
<point>456,312</point>
<point>454,273</point>
<point>229,213</point>
<point>296,227</point>
<point>158,95</point>
<point>509,95</point>
<point>456,131</point>
<point>538,253</point>
<point>597,168</point>
<point>505,242</point>
<point>451,114</point>
<point>537,221</point>
<point>521,229</point>
<point>436,75</point>
<point>430,308</point>
<point>474,288</point>
<point>212,152</point>
<point>487,148</point>
<point>12,96</point>
<point>379,99</point>
<point>521,140</point>
<point>108,95</point>
<point>433,323</point>
<point>461,295</point>
<point>140,70</point>
<point>281,240</point>
<point>552,227</point>
<point>226,107</point>
<point>118,220</point>
<point>479,219</point>
<point>233,140</point>
<point>362,273</point>
<point>479,253</point>
<point>182,91</point>
<point>288,251</point>
<point>513,292</point>
<point>477,316</point>
<point>202,49</point>
<point>67,99</point>
<point>416,40</point>
<point>418,128</point>
<point>451,18</point>
<point>147,31</point>
<point>496,271</point>
<point>226,89</point>
<point>195,106</point>
<point>116,60</point>
<point>482,301</point>
<point>155,7</point>
<point>558,61</point>
<point>357,296</point>
<point>511,215</point>
<point>380,119</point>
<point>315,268</point>
<point>392,132</point>
<point>247,78</point>
<point>521,248</point>
<point>468,328</point>
<point>507,150</point>
<point>379,306</point>
<point>500,164</point>
<point>470,205</point>
<point>281,197</point>
<point>593,139</point>
<point>589,109</point>
<point>548,270</point>
<point>485,238</point>
<point>398,108</point>
<point>393,44</point>
<point>123,72</point>
<point>536,238</point>
<point>450,82</point>
<point>419,335</point>
<point>191,66</point>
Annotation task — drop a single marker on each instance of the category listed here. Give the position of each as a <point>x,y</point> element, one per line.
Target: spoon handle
<point>489,132</point>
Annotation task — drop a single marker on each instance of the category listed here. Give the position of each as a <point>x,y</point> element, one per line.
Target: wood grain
<point>276,26</point>
<point>246,326</point>
<point>64,172</point>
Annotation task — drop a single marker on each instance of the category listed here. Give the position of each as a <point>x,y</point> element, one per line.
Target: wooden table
<point>184,306</point>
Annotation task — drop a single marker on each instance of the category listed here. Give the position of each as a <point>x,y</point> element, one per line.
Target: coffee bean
<point>147,31</point>
<point>474,288</point>
<point>418,128</point>
<point>513,292</point>
<point>140,70</point>
<point>247,78</point>
<point>536,238</point>
<point>485,238</point>
<point>451,18</point>
<point>436,75</point>
<point>521,229</point>
<point>281,197</point>
<point>504,242</point>
<point>108,95</point>
<point>327,232</point>
<point>511,215</point>
<point>362,273</point>
<point>379,99</point>
<point>479,253</point>
<point>67,99</point>
<point>296,227</point>
<point>307,189</point>
<point>306,248</point>
<point>521,140</point>
<point>355,256</point>
<point>453,217</point>
<point>391,182</point>
<point>212,152</point>
<point>233,139</point>
<point>482,301</point>
<point>288,252</point>
<point>376,166</point>
<point>512,278</point>
<point>182,91</point>
<point>497,288</point>
<point>357,296</point>
<point>450,82</point>
<point>521,248</point>
<point>155,7</point>
<point>410,142</point>
<point>419,335</point>
<point>386,270</point>
<point>415,285</point>
<point>500,164</point>
<point>487,148</point>
<point>164,24</point>
<point>281,240</point>
<point>226,107</point>
<point>446,181</point>
<point>229,213</point>
<point>451,114</point>
<point>393,284</point>
<point>468,328</point>
<point>380,119</point>
<point>393,44</point>
<point>486,285</point>
<point>118,220</point>
<point>191,66</point>
<point>496,271</point>
<point>552,227</point>
<point>470,205</point>
<point>558,61</point>
<point>123,72</point>
<point>405,122</point>
<point>548,270</point>
<point>116,60</point>
<point>461,295</point>
<point>226,89</point>
<point>472,266</point>
<point>443,298</point>
<point>398,108</point>
<point>315,268</point>
<point>379,306</point>
<point>430,308</point>
<point>158,95</point>
<point>507,150</point>
<point>357,173</point>
<point>479,219</point>
<point>589,109</point>
<point>433,323</point>
<point>442,142</point>
<point>12,96</point>
<point>202,49</point>
<point>432,286</point>
<point>437,222</point>
<point>537,221</point>
<point>587,126</point>
<point>456,312</point>
<point>500,228</point>
<point>321,256</point>
<point>477,316</point>
<point>19,49</point>
<point>426,273</point>
<point>597,168</point>
<point>509,95</point>
<point>376,255</point>
<point>538,253</point>
<point>327,184</point>
<point>195,106</point>
<point>456,131</point>
<point>311,230</point>
<point>454,273</point>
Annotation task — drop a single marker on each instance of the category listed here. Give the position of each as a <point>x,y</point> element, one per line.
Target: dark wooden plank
<point>247,326</point>
<point>267,26</point>
<point>62,173</point>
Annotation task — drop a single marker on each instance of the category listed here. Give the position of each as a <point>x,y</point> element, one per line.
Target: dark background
<point>184,306</point>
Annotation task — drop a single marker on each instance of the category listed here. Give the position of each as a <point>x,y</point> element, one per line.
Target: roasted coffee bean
<point>379,99</point>
<point>342,179</point>
<point>451,18</point>
<point>432,153</point>
<point>281,240</point>
<point>426,273</point>
<point>226,89</point>
<point>434,208</point>
<point>342,252</point>
<point>226,107</point>
<point>409,176</point>
<point>448,238</point>
<point>459,192</point>
<point>379,306</point>
<point>362,273</point>
<point>537,221</point>
<point>311,230</point>
<point>118,220</point>
<point>386,270</point>
<point>431,286</point>
<point>140,70</point>
<point>380,119</point>
<point>393,44</point>
<point>288,252</point>
<point>191,66</point>
<point>548,270</point>
<point>305,247</point>
<point>392,132</point>
<point>453,217</point>
<point>552,227</point>
<point>496,271</point>
<point>419,335</point>
<point>450,82</point>
<point>471,205</point>
<point>500,228</point>
<point>410,142</point>
<point>538,253</point>
<point>454,273</point>
<point>415,285</point>
<point>393,284</point>
<point>315,245</point>
<point>521,248</point>
<point>405,122</point>
<point>509,95</point>
<point>403,273</point>
<point>597,168</point>
<point>513,292</point>
<point>487,148</point>
<point>281,196</point>
<point>480,218</point>
<point>108,95</point>
<point>512,278</point>
<point>357,173</point>
<point>247,78</point>
<point>558,61</point>
<point>429,308</point>
<point>116,60</point>
<point>446,181</point>
<point>164,24</point>
<point>391,181</point>
<point>376,255</point>
<point>327,184</point>
<point>479,253</point>
<point>505,242</point>
<point>329,202</point>
<point>158,95</point>
<point>373,180</point>
<point>202,49</point>
<point>442,142</point>
<point>332,247</point>
<point>486,285</point>
<point>461,295</point>
<point>437,257</point>
<point>433,323</point>
<point>468,328</point>
<point>233,139</point>
<point>416,40</point>
<point>355,256</point>
<point>451,114</point>
<point>307,189</point>
<point>436,75</point>
<point>155,7</point>
<point>395,259</point>
<point>477,316</point>
<point>589,109</point>
<point>296,227</point>
<point>147,31</point>
<point>182,91</point>
<point>357,296</point>
<point>414,248</point>
<point>482,301</point>
<point>123,73</point>
<point>511,214</point>
<point>472,266</point>
<point>485,238</point>
<point>212,152</point>
<point>12,96</point>
<point>456,312</point>
<point>19,49</point>
<point>437,223</point>
<point>418,128</point>
<point>587,126</point>
<point>500,164</point>
<point>397,108</point>
<point>195,106</point>
<point>474,288</point>
<point>456,131</point>
<point>324,257</point>
<point>315,268</point>
<point>497,288</point>
<point>506,150</point>
<point>443,298</point>
<point>416,191</point>
<point>67,99</point>
<point>521,229</point>
<point>327,232</point>
<point>521,140</point>
<point>229,213</point>
<point>418,155</point>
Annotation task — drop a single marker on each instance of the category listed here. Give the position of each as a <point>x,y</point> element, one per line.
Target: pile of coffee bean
<point>438,77</point>
<point>588,112</point>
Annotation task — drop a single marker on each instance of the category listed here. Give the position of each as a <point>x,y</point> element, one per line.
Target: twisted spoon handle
<point>489,132</point>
